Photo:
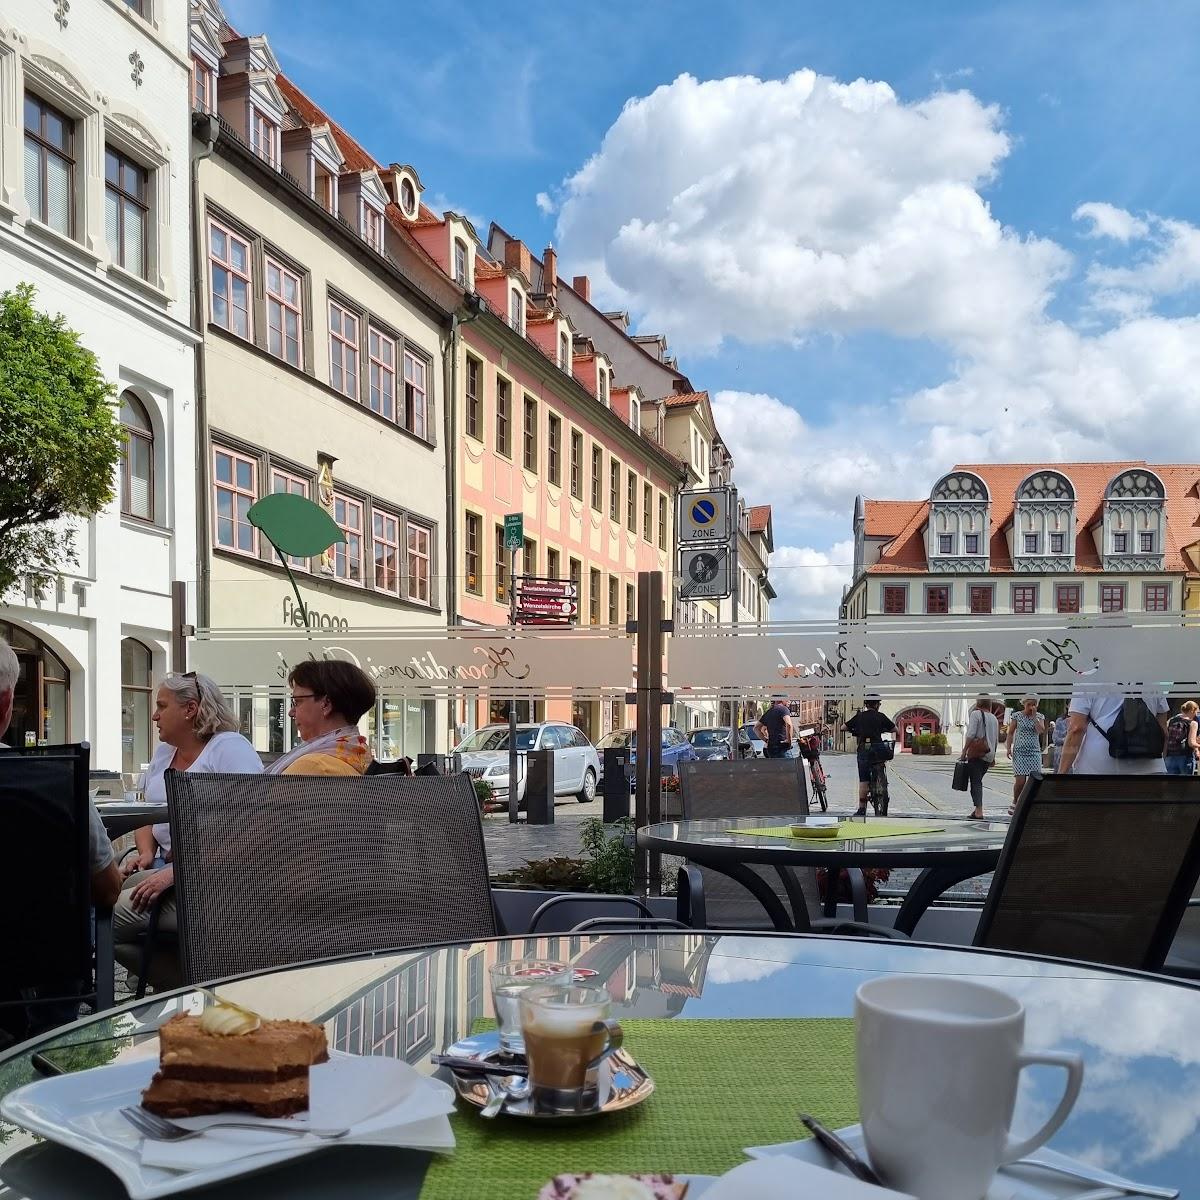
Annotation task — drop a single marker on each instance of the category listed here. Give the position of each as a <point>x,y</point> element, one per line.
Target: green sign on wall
<point>514,531</point>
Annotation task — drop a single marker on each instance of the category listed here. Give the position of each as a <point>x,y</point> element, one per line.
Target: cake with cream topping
<point>589,1186</point>
<point>229,1060</point>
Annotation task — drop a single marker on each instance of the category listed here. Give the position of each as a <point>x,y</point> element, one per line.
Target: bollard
<point>539,787</point>
<point>614,787</point>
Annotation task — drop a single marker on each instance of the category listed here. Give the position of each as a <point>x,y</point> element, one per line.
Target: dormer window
<point>324,188</point>
<point>264,137</point>
<point>516,310</point>
<point>1057,543</point>
<point>1032,543</point>
<point>372,227</point>
<point>460,263</point>
<point>204,86</point>
<point>946,543</point>
<point>1120,543</point>
<point>1135,521</point>
<point>971,543</point>
<point>959,515</point>
<point>603,379</point>
<point>408,196</point>
<point>564,352</point>
<point>1145,543</point>
<point>1043,529</point>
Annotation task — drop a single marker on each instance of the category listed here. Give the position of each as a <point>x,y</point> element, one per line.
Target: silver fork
<point>159,1129</point>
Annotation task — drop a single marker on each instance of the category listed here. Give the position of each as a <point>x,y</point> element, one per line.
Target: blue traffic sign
<point>704,512</point>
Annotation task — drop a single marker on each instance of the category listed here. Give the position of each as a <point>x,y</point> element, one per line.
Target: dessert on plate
<point>589,1186</point>
<point>230,1060</point>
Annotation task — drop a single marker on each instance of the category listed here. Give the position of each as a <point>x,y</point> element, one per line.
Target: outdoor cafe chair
<point>1096,867</point>
<point>275,869</point>
<point>49,966</point>
<point>773,787</point>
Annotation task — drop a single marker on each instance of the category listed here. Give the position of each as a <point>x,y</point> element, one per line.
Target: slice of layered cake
<point>229,1060</point>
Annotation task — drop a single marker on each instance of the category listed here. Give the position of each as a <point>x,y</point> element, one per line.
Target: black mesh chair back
<point>276,869</point>
<point>1096,867</point>
<point>46,892</point>
<point>772,787</point>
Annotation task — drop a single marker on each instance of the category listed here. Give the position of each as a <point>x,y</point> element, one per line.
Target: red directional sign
<point>548,605</point>
<point>560,588</point>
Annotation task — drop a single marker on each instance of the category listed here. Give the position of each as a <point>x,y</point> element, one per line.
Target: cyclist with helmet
<point>867,727</point>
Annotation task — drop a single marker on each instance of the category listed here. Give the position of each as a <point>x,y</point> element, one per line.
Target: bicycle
<point>877,789</point>
<point>816,774</point>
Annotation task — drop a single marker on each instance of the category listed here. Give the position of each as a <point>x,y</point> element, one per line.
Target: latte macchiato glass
<point>568,1031</point>
<point>509,980</point>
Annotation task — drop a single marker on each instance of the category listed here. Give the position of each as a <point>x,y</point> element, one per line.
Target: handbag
<point>977,747</point>
<point>961,780</point>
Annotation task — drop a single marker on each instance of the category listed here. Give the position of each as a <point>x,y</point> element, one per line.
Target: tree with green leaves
<point>60,439</point>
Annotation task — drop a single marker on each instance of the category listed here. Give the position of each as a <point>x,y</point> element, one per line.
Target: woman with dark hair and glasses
<point>328,698</point>
<point>197,731</point>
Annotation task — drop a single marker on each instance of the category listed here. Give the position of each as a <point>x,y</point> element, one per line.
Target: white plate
<point>1012,1183</point>
<point>81,1111</point>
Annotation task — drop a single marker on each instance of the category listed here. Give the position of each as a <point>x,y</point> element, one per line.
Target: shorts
<point>866,760</point>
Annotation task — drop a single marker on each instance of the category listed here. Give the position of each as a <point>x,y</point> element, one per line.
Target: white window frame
<point>372,227</point>
<point>233,272</point>
<point>516,310</point>
<point>416,395</point>
<point>389,537</point>
<point>296,485</point>
<point>204,86</point>
<point>265,132</point>
<point>235,490</point>
<point>278,301</point>
<point>381,370</point>
<point>347,349</point>
<point>343,560</point>
<point>460,258</point>
<point>419,581</point>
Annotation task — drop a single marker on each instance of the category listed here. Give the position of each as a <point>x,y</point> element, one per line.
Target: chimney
<point>516,257</point>
<point>550,272</point>
<point>583,286</point>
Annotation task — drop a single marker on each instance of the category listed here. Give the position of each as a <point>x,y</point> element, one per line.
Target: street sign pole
<point>735,705</point>
<point>514,536</point>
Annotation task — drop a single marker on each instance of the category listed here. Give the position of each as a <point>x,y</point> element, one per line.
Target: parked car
<point>576,763</point>
<point>714,743</point>
<point>758,748</point>
<point>675,747</point>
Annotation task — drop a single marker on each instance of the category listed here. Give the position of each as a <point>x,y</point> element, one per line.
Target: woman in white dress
<point>197,731</point>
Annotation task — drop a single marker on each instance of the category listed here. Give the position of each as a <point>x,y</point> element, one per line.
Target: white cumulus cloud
<point>1170,266</point>
<point>544,203</point>
<point>1108,221</point>
<point>809,582</point>
<point>766,209</point>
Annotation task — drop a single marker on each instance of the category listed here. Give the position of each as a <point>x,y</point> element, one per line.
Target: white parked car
<point>576,763</point>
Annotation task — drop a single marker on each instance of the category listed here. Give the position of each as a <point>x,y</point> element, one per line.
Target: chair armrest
<point>584,898</point>
<point>105,985</point>
<point>689,897</point>
<point>836,925</point>
<point>598,923</point>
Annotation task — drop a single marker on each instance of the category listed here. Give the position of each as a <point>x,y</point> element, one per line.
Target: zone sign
<point>704,516</point>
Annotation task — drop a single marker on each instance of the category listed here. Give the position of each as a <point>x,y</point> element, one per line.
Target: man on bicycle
<point>867,727</point>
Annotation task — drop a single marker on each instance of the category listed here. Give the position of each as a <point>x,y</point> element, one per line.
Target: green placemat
<point>848,831</point>
<point>719,1086</point>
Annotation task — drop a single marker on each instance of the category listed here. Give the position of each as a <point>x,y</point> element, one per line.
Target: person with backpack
<point>1182,746</point>
<point>1112,734</point>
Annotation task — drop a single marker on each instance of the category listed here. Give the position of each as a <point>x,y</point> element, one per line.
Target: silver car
<point>576,763</point>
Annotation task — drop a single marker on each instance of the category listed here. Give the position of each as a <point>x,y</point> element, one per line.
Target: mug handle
<point>1073,1065</point>
<point>616,1037</point>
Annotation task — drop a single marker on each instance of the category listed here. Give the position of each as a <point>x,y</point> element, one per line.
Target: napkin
<point>383,1102</point>
<point>783,1178</point>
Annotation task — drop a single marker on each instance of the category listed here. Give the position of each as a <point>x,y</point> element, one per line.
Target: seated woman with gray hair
<point>197,731</point>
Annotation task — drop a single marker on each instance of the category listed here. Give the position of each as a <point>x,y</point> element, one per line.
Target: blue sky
<point>881,218</point>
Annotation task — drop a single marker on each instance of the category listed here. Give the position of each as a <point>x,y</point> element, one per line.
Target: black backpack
<point>1177,735</point>
<point>1135,733</point>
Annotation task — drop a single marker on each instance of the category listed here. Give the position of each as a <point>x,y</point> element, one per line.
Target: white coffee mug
<point>938,1062</point>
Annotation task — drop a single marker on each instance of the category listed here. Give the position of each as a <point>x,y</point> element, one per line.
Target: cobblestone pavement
<point>918,786</point>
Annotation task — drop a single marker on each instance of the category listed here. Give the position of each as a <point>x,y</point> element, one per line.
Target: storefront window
<point>136,666</point>
<point>41,698</point>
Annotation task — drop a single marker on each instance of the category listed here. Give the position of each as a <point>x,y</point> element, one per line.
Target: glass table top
<point>1138,1112</point>
<point>949,836</point>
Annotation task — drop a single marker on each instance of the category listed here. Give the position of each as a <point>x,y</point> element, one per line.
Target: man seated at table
<point>18,1023</point>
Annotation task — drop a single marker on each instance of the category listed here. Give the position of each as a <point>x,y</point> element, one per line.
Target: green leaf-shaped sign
<point>295,525</point>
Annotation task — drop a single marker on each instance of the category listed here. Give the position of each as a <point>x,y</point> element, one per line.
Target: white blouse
<point>228,752</point>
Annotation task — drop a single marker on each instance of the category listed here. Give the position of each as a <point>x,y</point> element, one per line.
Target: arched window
<point>136,665</point>
<point>408,198</point>
<point>137,460</point>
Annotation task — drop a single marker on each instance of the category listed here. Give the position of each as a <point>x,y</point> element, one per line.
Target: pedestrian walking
<point>1023,744</point>
<point>1112,734</point>
<point>1058,737</point>
<point>869,727</point>
<point>1182,748</point>
<point>775,729</point>
<point>979,749</point>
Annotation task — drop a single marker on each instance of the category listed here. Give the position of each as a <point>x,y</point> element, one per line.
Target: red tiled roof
<point>683,399</point>
<point>906,551</point>
<point>357,159</point>
<point>887,518</point>
<point>760,516</point>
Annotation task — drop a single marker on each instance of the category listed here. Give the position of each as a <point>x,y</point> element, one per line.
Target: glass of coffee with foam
<point>568,1032</point>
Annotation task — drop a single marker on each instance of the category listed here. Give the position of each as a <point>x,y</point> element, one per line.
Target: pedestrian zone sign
<point>705,572</point>
<point>704,516</point>
<point>514,531</point>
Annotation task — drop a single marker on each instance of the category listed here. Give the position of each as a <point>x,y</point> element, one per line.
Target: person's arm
<point>761,730</point>
<point>788,727</point>
<point>147,847</point>
<point>1076,729</point>
<point>1010,732</point>
<point>106,886</point>
<point>1193,740</point>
